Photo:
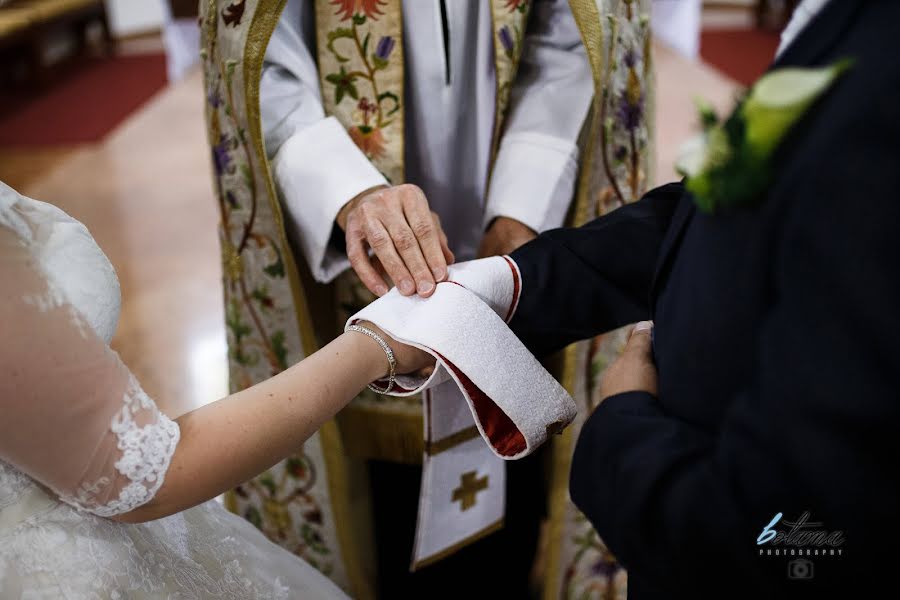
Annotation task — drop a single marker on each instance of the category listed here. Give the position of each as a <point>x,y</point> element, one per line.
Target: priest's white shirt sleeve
<point>534,174</point>
<point>316,166</point>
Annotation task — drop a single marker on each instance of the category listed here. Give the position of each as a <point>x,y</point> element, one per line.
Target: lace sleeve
<point>74,418</point>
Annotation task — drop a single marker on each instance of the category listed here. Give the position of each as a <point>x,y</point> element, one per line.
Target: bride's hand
<point>409,358</point>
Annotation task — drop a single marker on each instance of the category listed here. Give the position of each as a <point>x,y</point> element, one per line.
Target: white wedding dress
<point>80,441</point>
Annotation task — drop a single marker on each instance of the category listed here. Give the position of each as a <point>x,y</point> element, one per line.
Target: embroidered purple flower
<point>604,568</point>
<point>506,39</point>
<point>385,47</point>
<point>631,113</point>
<point>214,98</point>
<point>631,58</point>
<point>631,105</point>
<point>222,155</point>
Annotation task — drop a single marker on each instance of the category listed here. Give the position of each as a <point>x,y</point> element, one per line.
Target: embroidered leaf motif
<point>230,66</point>
<point>378,62</point>
<point>233,320</point>
<point>246,175</point>
<point>344,83</point>
<point>393,98</point>
<point>252,515</point>
<point>276,269</point>
<point>243,358</point>
<point>261,295</point>
<point>279,348</point>
<point>267,481</point>
<point>333,36</point>
<point>313,539</point>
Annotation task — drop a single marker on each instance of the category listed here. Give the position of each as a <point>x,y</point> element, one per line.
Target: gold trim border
<point>369,432</point>
<point>493,527</point>
<point>587,18</point>
<point>265,19</point>
<point>561,459</point>
<point>451,441</point>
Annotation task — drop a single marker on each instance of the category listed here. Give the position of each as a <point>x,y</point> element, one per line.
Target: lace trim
<point>146,453</point>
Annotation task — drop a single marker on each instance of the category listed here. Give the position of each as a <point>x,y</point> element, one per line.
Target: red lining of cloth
<point>516,288</point>
<point>503,434</point>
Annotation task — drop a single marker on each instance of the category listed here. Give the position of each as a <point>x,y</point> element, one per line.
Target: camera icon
<point>800,569</point>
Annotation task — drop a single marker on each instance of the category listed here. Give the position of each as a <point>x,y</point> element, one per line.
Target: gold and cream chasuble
<point>313,503</point>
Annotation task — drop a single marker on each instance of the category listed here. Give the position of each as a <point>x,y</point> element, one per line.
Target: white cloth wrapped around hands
<point>486,384</point>
<point>515,402</point>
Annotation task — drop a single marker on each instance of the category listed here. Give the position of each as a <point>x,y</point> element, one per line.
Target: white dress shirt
<point>799,20</point>
<point>449,122</point>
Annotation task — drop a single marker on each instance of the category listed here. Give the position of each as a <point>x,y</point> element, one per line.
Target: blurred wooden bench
<point>768,14</point>
<point>27,27</point>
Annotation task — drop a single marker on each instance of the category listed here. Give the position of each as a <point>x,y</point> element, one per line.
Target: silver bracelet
<point>392,362</point>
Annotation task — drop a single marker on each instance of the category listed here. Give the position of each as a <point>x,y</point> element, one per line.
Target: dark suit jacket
<point>776,343</point>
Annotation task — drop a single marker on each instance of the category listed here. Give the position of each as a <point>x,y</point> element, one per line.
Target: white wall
<point>128,17</point>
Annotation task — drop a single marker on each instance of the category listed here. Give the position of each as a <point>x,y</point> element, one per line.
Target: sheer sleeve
<point>73,416</point>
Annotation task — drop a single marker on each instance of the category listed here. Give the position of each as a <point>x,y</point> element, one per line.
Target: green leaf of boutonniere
<point>728,165</point>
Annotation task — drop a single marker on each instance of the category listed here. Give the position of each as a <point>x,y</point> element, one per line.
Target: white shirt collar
<point>799,20</point>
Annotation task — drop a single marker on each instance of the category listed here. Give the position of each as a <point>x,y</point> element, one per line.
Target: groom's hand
<point>634,370</point>
<point>503,236</point>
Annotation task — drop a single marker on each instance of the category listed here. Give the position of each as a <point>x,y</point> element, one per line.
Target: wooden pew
<point>28,26</point>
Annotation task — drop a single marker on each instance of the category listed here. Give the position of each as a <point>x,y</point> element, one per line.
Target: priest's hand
<point>634,370</point>
<point>503,236</point>
<point>409,245</point>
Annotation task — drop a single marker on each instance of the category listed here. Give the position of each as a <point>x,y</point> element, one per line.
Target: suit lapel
<point>820,34</point>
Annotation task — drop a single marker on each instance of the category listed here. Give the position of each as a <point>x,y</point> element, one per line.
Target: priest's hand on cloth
<point>503,236</point>
<point>406,237</point>
<point>634,370</point>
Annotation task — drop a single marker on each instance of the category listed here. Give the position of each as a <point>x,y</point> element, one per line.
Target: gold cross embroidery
<point>469,488</point>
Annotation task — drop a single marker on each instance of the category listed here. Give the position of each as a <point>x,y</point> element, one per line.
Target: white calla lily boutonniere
<point>728,164</point>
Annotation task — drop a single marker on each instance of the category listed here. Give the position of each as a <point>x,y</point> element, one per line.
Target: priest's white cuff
<point>318,170</point>
<point>533,180</point>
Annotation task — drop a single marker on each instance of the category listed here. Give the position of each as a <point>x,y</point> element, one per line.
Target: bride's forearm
<point>230,441</point>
